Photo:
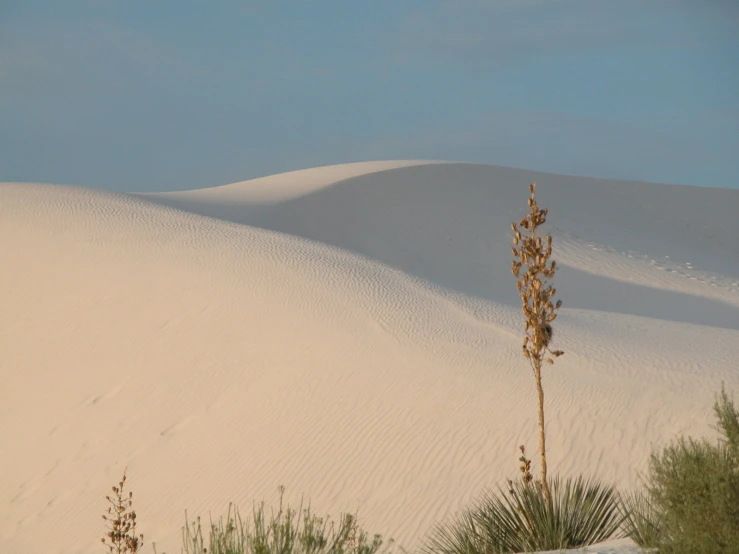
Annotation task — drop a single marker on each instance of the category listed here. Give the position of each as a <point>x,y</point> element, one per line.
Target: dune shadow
<point>450,224</point>
<point>583,290</point>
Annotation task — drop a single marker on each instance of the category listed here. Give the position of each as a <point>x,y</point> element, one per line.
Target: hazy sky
<point>162,95</point>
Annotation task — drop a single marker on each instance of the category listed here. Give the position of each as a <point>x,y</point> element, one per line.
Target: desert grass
<point>534,251</point>
<point>120,519</point>
<point>289,531</point>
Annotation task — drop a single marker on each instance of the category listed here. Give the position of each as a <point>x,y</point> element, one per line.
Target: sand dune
<point>351,332</point>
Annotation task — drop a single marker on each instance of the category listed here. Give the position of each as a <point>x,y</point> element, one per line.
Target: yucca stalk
<point>534,251</point>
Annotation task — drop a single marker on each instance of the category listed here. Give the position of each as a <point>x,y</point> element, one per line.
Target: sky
<point>161,95</point>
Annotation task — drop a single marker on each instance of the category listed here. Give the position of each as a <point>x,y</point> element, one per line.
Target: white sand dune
<point>351,332</point>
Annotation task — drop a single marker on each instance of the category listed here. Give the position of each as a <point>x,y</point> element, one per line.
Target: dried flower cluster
<point>536,301</point>
<point>534,251</point>
<point>525,468</point>
<point>121,523</point>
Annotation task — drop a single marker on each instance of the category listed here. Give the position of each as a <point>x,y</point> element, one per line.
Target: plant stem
<point>536,360</point>
<point>542,438</point>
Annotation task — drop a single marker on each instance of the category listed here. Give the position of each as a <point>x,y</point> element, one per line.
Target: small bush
<point>289,531</point>
<point>694,487</point>
<point>579,512</point>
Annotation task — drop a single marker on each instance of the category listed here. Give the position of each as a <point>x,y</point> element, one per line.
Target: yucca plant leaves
<point>581,512</point>
<point>641,520</point>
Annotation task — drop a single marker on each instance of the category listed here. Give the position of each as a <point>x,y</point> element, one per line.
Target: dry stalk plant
<point>351,541</point>
<point>534,251</point>
<point>120,537</point>
<point>525,467</point>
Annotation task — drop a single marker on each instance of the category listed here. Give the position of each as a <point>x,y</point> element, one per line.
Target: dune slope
<point>350,332</point>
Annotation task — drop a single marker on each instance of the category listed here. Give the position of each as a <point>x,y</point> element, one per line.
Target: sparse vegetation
<point>290,531</point>
<point>528,516</point>
<point>690,504</point>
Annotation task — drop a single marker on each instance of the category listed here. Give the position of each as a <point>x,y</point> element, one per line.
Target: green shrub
<point>694,487</point>
<point>728,421</point>
<point>580,512</point>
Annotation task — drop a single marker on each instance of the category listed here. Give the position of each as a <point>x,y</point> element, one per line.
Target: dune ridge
<point>351,332</point>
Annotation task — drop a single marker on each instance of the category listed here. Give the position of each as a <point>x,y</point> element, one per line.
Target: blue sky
<point>170,95</point>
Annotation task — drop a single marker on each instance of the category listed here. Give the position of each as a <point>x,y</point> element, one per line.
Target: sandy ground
<point>351,332</point>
